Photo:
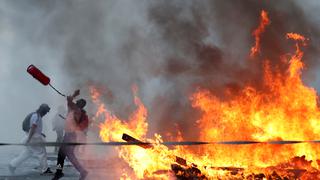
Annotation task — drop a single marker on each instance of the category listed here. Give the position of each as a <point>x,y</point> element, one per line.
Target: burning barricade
<point>281,110</point>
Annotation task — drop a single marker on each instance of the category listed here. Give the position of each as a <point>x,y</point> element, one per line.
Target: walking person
<point>76,121</point>
<point>32,125</point>
<point>58,125</point>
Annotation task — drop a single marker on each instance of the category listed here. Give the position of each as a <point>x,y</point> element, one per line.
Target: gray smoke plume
<point>167,48</point>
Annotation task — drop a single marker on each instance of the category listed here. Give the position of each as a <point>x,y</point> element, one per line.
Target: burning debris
<point>296,168</point>
<point>180,169</point>
<point>282,108</point>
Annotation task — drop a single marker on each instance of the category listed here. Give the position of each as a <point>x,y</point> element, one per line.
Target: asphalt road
<point>98,167</point>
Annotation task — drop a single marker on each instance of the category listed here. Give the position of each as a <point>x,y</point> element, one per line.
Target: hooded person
<point>76,122</point>
<point>34,135</point>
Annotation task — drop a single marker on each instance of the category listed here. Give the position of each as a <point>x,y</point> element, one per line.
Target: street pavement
<point>98,167</point>
<point>29,169</point>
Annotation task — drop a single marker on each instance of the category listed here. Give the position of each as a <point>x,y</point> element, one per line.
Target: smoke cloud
<point>167,48</point>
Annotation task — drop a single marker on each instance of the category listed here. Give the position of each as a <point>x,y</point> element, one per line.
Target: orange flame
<point>264,21</point>
<point>284,109</point>
<point>144,162</point>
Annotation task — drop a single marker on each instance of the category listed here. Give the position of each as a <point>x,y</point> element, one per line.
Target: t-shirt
<point>58,123</point>
<point>74,117</point>
<point>71,124</point>
<point>84,123</point>
<point>37,120</point>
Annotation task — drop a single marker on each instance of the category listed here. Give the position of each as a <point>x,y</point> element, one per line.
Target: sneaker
<point>11,169</point>
<point>48,171</point>
<point>59,174</point>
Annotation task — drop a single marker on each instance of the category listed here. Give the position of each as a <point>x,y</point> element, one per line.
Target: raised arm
<point>71,104</point>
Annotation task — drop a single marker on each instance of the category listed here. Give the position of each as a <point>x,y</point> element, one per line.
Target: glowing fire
<point>264,21</point>
<point>143,161</point>
<point>283,109</point>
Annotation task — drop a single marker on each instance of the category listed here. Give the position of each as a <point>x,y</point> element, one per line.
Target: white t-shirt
<point>58,123</point>
<point>37,120</point>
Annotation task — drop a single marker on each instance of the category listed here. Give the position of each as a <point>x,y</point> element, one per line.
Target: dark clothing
<point>59,138</point>
<point>68,151</point>
<point>84,121</point>
<point>75,118</point>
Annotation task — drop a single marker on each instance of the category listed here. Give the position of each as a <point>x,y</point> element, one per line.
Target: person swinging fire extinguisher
<point>76,121</point>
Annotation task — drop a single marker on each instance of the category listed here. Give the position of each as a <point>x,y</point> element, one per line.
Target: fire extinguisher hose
<point>57,90</point>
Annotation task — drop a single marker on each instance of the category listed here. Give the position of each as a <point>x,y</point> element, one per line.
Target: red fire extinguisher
<point>45,80</point>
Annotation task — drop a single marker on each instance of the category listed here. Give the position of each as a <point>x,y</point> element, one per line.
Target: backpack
<point>26,122</point>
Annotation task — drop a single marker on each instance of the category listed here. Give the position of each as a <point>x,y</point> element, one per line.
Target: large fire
<point>283,109</point>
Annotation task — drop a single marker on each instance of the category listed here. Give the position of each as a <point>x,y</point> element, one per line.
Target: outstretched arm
<point>71,104</point>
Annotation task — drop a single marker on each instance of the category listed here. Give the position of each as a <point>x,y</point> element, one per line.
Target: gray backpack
<point>26,122</point>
